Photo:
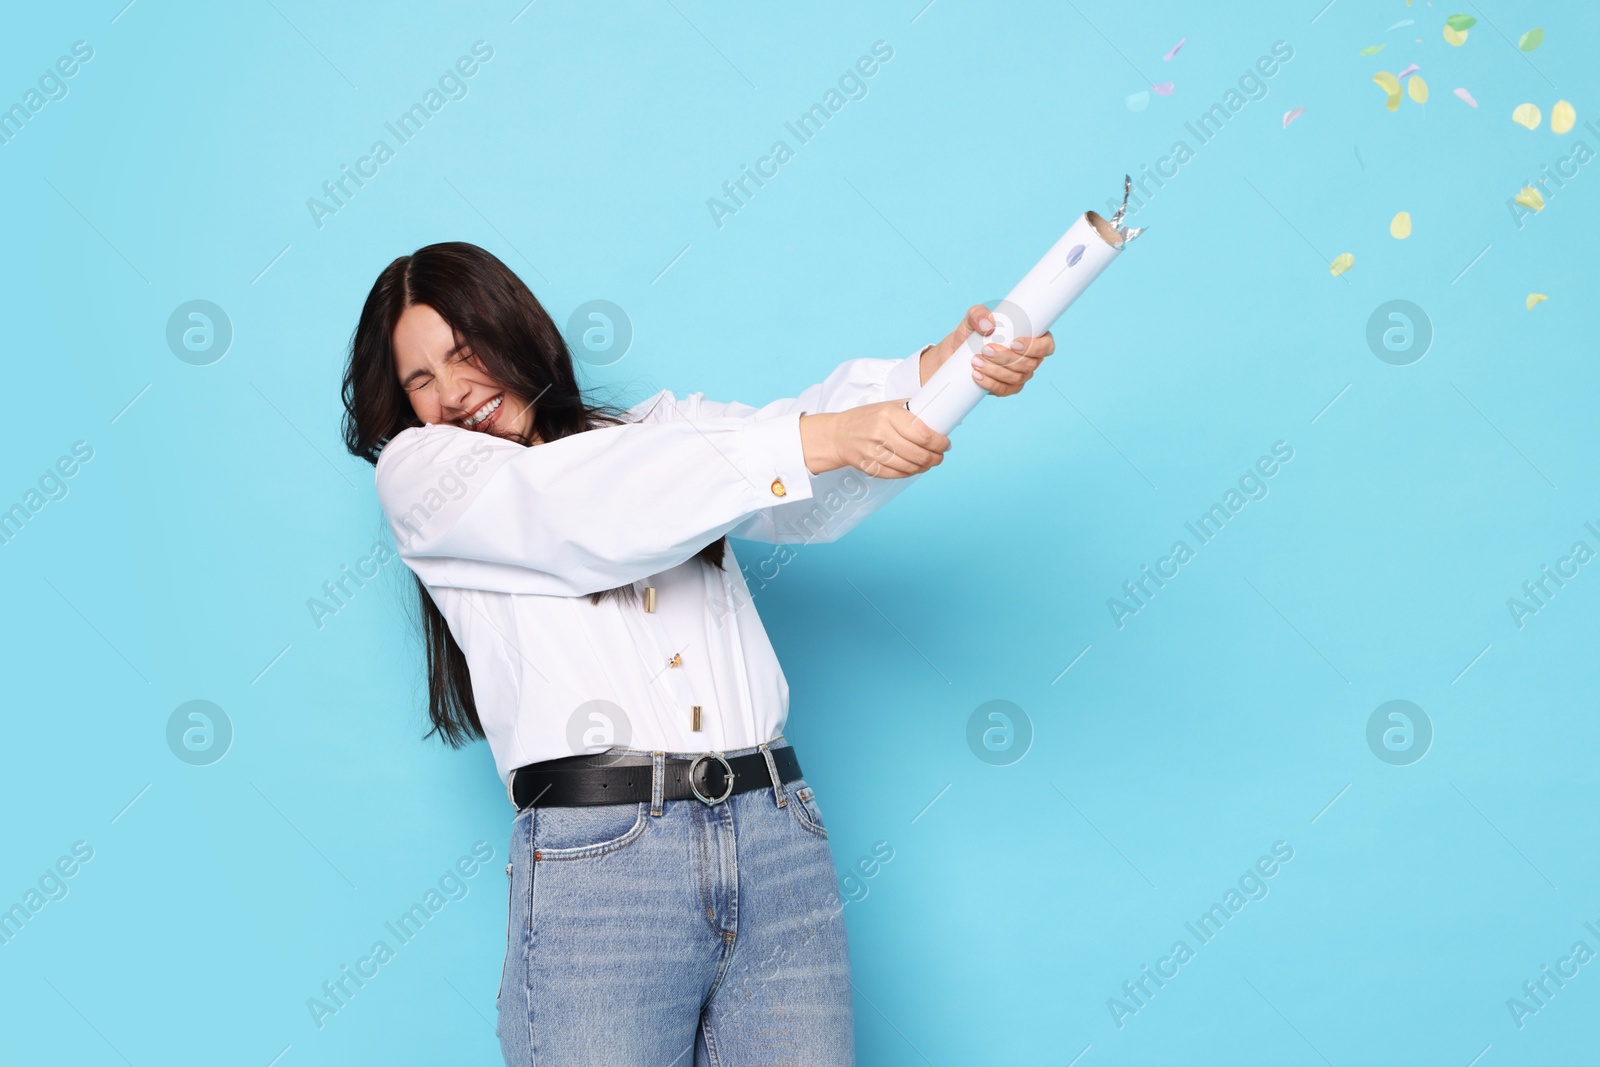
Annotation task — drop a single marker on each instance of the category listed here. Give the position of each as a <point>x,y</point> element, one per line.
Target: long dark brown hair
<point>519,346</point>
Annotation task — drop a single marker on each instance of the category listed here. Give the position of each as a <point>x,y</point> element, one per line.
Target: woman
<point>672,894</point>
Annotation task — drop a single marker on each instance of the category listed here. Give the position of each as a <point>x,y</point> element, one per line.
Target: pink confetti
<point>1409,70</point>
<point>1292,114</point>
<point>1466,96</point>
<point>1174,51</point>
<point>1163,88</point>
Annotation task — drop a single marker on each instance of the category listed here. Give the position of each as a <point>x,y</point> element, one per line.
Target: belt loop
<point>657,780</point>
<point>777,781</point>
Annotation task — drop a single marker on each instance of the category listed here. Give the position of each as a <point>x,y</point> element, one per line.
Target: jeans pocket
<point>571,833</point>
<point>511,902</point>
<point>803,802</point>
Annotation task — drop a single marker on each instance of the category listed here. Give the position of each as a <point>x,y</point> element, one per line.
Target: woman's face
<point>447,384</point>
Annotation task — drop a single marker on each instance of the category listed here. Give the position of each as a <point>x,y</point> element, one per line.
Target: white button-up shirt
<point>510,539</point>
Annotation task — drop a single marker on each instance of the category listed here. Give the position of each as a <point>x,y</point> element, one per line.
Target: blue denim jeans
<point>699,936</point>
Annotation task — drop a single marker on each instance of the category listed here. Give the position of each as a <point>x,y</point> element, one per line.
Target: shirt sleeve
<point>587,512</point>
<point>838,499</point>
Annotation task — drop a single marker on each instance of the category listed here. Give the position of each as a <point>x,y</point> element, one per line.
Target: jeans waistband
<point>623,756</point>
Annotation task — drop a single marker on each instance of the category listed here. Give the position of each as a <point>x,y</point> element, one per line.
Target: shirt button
<point>777,487</point>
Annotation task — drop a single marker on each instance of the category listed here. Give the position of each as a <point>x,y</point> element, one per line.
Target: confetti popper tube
<point>1077,259</point>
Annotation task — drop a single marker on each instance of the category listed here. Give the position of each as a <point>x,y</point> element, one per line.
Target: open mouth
<point>486,415</point>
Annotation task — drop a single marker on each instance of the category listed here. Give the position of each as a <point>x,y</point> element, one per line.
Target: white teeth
<point>484,412</point>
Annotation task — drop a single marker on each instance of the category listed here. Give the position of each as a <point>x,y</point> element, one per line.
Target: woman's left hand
<point>999,369</point>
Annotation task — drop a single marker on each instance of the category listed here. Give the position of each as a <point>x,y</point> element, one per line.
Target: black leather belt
<point>605,779</point>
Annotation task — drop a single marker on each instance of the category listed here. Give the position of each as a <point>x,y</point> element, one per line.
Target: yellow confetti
<point>1562,116</point>
<point>1418,89</point>
<point>1341,263</point>
<point>1530,198</point>
<point>1455,37</point>
<point>1400,226</point>
<point>1526,115</point>
<point>1535,298</point>
<point>1391,85</point>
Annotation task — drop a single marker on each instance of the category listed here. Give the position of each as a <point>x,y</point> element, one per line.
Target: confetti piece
<point>1418,89</point>
<point>1455,37</point>
<point>1529,198</point>
<point>1292,114</point>
<point>1402,22</point>
<point>1461,23</point>
<point>1341,263</point>
<point>1400,226</point>
<point>1531,40</point>
<point>1562,116</point>
<point>1391,85</point>
<point>1371,50</point>
<point>1466,97</point>
<point>1409,70</point>
<point>1074,254</point>
<point>1534,298</point>
<point>1138,101</point>
<point>1164,88</point>
<point>1526,115</point>
<point>1175,48</point>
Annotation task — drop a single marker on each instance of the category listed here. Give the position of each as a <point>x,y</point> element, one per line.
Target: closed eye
<point>420,379</point>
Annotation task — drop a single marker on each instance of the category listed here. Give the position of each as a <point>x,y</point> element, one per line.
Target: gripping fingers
<point>1001,374</point>
<point>1004,370</point>
<point>997,365</point>
<point>916,433</point>
<point>898,460</point>
<point>885,464</point>
<point>922,445</point>
<point>900,456</point>
<point>922,458</point>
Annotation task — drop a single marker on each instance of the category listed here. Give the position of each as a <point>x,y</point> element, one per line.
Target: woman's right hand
<point>884,440</point>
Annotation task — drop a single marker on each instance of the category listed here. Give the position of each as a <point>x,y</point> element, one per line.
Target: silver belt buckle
<point>728,780</point>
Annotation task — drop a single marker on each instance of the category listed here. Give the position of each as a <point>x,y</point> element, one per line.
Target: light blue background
<point>1224,717</point>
